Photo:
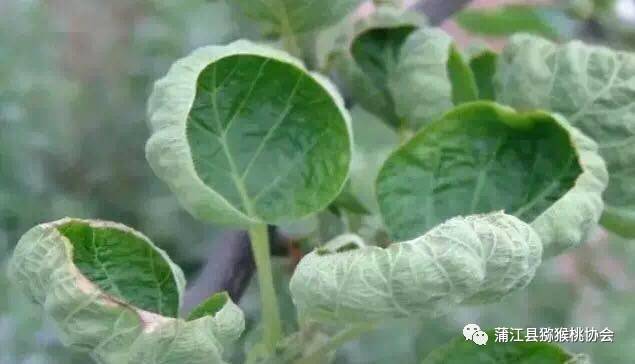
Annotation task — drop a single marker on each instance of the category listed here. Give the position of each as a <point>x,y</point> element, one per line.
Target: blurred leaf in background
<point>505,20</point>
<point>75,78</point>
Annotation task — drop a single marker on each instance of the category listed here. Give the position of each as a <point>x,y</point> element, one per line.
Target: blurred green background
<point>74,79</point>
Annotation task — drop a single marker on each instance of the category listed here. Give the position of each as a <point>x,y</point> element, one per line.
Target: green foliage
<point>233,153</point>
<point>483,65</point>
<point>117,261</point>
<point>427,79</point>
<point>461,351</point>
<point>481,157</point>
<point>463,174</point>
<point>375,51</point>
<point>591,87</point>
<point>114,316</point>
<point>480,258</point>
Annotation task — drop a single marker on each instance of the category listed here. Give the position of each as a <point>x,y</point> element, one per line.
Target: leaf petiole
<point>259,237</point>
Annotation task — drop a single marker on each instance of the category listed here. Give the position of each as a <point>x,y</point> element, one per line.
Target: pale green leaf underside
<point>430,78</point>
<point>473,259</point>
<point>460,351</point>
<point>481,157</point>
<point>594,88</point>
<point>284,16</point>
<point>243,133</point>
<point>98,315</point>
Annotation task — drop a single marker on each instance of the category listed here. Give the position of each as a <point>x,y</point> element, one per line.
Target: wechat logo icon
<point>473,332</point>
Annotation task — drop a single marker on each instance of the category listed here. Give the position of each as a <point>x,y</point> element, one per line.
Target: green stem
<point>318,356</point>
<point>259,237</point>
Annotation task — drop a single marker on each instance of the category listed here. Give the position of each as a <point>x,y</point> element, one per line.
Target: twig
<point>229,267</point>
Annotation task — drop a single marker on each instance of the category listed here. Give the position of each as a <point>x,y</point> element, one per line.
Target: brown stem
<point>229,267</point>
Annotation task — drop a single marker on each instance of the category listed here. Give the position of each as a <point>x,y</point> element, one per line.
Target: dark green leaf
<point>124,265</point>
<point>482,157</point>
<point>243,133</point>
<point>483,67</point>
<point>463,82</point>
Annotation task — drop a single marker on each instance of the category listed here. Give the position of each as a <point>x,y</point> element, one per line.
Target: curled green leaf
<point>593,88</point>
<point>245,134</point>
<point>430,79</point>
<point>483,65</point>
<point>482,157</point>
<point>375,50</point>
<point>111,292</point>
<point>465,260</point>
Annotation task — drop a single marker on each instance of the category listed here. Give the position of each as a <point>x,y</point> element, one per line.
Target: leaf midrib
<point>97,260</point>
<point>546,191</point>
<point>222,138</point>
<point>237,177</point>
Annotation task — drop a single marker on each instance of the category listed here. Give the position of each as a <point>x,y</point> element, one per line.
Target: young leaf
<point>473,259</point>
<point>430,79</point>
<point>283,16</point>
<point>483,66</point>
<point>593,88</point>
<point>464,88</point>
<point>375,51</point>
<point>111,292</point>
<point>210,306</point>
<point>459,351</point>
<point>482,157</point>
<point>243,133</point>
